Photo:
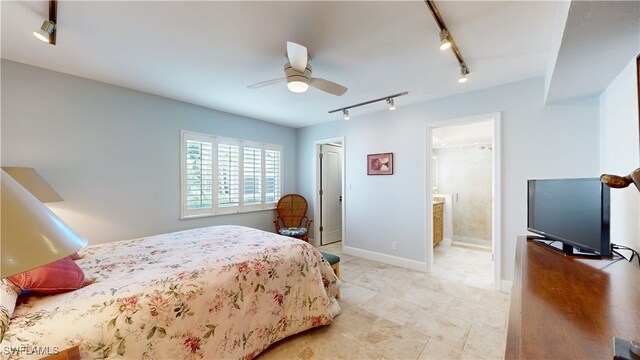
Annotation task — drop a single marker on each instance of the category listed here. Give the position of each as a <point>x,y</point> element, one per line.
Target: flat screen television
<point>574,212</point>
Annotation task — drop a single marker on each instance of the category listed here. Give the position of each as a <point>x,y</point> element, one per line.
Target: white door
<point>331,190</point>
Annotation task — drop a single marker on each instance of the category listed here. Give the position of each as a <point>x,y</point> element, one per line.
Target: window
<point>252,175</point>
<point>223,176</point>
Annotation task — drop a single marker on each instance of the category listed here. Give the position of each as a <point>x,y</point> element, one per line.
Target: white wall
<point>113,153</point>
<point>619,152</point>
<point>539,141</point>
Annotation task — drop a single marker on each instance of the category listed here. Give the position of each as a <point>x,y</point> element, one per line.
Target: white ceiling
<point>206,53</point>
<point>596,42</point>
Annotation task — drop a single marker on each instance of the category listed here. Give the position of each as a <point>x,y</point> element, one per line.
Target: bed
<point>215,292</point>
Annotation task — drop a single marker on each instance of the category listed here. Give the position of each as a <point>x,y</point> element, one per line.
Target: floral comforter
<point>215,292</point>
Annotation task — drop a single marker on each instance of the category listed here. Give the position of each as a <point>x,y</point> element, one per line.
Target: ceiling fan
<point>298,74</point>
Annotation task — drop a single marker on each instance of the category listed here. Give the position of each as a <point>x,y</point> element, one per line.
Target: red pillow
<point>57,277</point>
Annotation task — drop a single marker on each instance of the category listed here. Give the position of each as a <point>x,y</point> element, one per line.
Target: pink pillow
<point>57,277</point>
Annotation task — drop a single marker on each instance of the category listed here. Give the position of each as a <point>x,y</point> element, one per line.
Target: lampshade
<point>33,182</point>
<point>31,235</point>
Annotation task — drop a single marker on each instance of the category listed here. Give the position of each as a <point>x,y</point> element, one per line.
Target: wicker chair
<point>292,210</point>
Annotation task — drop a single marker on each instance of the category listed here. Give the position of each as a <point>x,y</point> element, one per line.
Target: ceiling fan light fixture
<point>445,42</point>
<point>44,34</point>
<point>297,86</point>
<point>297,82</point>
<point>345,114</point>
<point>392,104</point>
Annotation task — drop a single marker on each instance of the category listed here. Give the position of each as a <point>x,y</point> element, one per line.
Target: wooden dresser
<point>570,307</point>
<point>438,222</point>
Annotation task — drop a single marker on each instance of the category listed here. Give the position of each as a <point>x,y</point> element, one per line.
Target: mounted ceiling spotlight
<point>392,105</point>
<point>44,34</point>
<point>445,43</point>
<point>446,40</point>
<point>47,32</point>
<point>463,75</point>
<point>389,99</point>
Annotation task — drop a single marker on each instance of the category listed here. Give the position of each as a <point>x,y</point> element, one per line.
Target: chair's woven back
<point>292,208</point>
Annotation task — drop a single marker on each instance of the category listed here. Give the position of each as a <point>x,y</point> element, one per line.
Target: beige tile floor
<point>390,312</point>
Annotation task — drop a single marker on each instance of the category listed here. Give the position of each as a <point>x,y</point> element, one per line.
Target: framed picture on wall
<point>380,164</point>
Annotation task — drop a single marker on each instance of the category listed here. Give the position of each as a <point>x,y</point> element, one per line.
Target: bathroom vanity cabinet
<point>438,222</point>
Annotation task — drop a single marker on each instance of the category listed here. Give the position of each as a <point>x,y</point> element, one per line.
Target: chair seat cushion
<point>331,259</point>
<point>293,231</point>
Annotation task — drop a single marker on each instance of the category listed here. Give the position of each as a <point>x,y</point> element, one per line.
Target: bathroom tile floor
<point>390,312</point>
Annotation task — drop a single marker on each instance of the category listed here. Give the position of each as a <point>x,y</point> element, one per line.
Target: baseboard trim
<point>505,286</point>
<point>386,259</point>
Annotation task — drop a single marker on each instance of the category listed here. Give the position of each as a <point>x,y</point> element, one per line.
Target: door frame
<point>316,188</point>
<point>496,207</point>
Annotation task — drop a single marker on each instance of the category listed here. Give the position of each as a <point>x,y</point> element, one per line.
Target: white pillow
<point>8,297</point>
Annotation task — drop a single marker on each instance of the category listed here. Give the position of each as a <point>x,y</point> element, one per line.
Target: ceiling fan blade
<point>265,83</point>
<point>328,86</point>
<point>297,55</point>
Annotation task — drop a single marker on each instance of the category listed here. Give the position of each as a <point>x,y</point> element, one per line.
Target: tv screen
<point>572,211</point>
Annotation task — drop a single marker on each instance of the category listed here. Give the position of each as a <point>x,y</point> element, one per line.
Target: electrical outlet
<point>394,245</point>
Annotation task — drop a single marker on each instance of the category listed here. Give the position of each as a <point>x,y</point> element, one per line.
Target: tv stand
<point>566,249</point>
<point>566,307</point>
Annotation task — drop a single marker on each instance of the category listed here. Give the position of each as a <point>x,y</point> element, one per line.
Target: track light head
<point>345,114</point>
<point>445,42</point>
<point>392,105</point>
<point>463,75</point>
<point>44,34</point>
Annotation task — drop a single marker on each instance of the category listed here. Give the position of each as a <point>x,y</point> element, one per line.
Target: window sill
<point>225,214</point>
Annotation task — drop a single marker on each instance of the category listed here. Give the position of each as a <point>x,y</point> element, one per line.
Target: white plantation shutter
<point>199,170</point>
<point>272,175</point>
<point>252,165</point>
<point>228,175</point>
<point>222,176</point>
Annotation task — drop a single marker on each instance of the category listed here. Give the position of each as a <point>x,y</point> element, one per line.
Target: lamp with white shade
<point>31,235</point>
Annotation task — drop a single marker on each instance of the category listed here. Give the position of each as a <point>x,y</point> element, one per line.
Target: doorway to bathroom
<point>463,177</point>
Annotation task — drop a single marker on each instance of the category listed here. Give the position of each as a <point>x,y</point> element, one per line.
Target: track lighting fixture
<point>445,43</point>
<point>389,99</point>
<point>446,40</point>
<point>44,34</point>
<point>463,75</point>
<point>47,32</point>
<point>392,105</point>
